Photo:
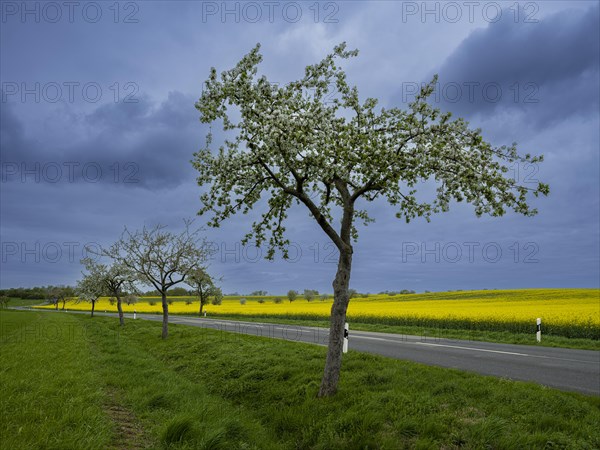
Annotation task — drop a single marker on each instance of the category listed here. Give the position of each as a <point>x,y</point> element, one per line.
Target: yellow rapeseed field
<point>568,312</point>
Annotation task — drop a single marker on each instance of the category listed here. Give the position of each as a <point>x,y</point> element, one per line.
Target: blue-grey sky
<point>98,126</point>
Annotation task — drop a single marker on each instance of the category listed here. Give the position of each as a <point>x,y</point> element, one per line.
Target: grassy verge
<point>109,388</point>
<point>50,390</point>
<point>25,302</point>
<point>505,337</point>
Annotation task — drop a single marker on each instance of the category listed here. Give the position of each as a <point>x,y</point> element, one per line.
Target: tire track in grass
<point>130,433</point>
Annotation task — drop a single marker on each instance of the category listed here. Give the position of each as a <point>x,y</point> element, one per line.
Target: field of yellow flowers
<point>564,312</point>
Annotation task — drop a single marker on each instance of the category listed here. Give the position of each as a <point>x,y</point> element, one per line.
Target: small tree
<point>277,300</point>
<point>310,294</point>
<point>4,301</point>
<point>160,258</point>
<point>67,292</point>
<point>51,296</point>
<point>115,278</point>
<point>334,153</point>
<point>291,295</point>
<point>203,286</point>
<point>324,297</point>
<point>59,294</point>
<point>91,287</point>
<point>217,298</point>
<point>131,299</point>
<point>242,301</point>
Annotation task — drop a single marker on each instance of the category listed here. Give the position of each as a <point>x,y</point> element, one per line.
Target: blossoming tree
<point>314,142</point>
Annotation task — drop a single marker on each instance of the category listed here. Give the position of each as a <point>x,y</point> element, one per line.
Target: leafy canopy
<point>92,286</point>
<point>294,143</point>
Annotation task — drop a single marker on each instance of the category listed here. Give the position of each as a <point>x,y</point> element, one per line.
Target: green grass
<point>204,388</point>
<point>50,390</point>
<point>25,302</point>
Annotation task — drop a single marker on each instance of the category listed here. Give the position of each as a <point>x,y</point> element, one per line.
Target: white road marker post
<point>538,333</point>
<point>345,347</point>
<point>134,315</point>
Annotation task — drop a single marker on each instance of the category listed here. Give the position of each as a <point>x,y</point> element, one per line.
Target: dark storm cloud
<point>144,142</point>
<point>168,53</point>
<point>547,70</point>
<point>12,137</point>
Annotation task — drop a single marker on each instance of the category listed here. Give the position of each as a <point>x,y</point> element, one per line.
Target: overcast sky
<point>98,126</point>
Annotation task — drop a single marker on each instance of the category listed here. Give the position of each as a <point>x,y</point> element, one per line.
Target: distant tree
<point>34,293</point>
<point>91,287</point>
<point>217,298</point>
<point>178,292</point>
<point>68,292</point>
<point>260,300</point>
<point>4,299</point>
<point>160,258</point>
<point>259,293</point>
<point>151,293</point>
<point>310,294</point>
<point>242,301</point>
<point>59,294</point>
<point>352,293</point>
<point>202,285</point>
<point>131,299</point>
<point>324,297</point>
<point>291,295</point>
<point>52,296</point>
<point>334,152</point>
<point>116,279</point>
<point>277,300</point>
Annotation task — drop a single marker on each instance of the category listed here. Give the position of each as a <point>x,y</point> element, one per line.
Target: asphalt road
<point>561,368</point>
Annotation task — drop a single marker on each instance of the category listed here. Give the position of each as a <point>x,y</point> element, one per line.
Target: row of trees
<point>154,257</point>
<point>308,295</point>
<point>34,293</point>
<point>55,295</point>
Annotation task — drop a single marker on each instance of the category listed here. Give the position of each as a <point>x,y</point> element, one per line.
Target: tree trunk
<point>120,309</point>
<point>56,305</point>
<point>201,297</point>
<point>93,306</point>
<point>333,363</point>
<point>165,307</point>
